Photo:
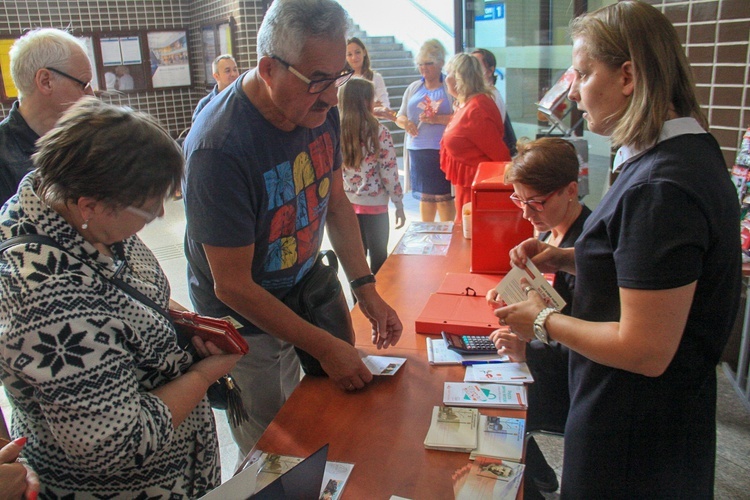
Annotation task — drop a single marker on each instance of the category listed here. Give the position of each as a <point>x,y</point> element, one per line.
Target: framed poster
<point>169,59</point>
<point>8,90</point>
<point>217,38</point>
<point>122,62</point>
<point>208,39</point>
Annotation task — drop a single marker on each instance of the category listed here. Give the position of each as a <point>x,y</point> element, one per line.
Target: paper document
<point>511,291</point>
<point>439,354</point>
<point>383,365</point>
<point>500,373</point>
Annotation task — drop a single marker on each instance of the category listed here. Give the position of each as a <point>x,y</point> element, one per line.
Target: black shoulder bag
<point>224,394</point>
<point>319,299</point>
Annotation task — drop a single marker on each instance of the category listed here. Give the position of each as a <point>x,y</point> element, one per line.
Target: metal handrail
<point>429,15</point>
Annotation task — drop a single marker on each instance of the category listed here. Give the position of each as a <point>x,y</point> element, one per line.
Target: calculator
<point>469,344</point>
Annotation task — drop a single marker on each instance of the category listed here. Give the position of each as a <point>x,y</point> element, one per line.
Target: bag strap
<point>122,285</point>
<point>330,256</point>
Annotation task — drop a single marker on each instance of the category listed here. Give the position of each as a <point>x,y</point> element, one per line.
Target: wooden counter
<point>381,429</point>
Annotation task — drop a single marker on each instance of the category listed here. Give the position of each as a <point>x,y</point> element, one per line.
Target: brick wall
<point>172,107</point>
<point>715,34</point>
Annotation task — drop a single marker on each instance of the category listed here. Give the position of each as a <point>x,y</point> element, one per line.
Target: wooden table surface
<point>381,428</point>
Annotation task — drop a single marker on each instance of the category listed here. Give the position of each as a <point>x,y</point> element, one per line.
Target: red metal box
<point>497,224</point>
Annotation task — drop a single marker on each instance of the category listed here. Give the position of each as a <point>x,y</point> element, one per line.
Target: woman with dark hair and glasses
<point>544,175</point>
<point>109,404</point>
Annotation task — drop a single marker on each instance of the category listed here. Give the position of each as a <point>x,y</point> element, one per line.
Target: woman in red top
<point>475,133</point>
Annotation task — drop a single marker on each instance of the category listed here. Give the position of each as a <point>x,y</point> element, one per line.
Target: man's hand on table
<point>343,365</point>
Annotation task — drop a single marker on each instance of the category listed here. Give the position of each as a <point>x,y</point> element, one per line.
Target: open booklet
<point>488,478</point>
<point>511,290</point>
<point>466,430</point>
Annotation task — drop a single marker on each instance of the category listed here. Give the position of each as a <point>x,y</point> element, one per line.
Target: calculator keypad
<point>477,343</point>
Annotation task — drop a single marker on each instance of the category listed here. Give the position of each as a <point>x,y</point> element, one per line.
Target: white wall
<point>401,19</point>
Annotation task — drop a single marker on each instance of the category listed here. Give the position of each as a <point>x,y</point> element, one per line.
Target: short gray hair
<point>289,23</point>
<point>215,63</point>
<point>37,49</point>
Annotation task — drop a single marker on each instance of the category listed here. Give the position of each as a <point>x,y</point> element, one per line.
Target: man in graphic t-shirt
<point>263,180</point>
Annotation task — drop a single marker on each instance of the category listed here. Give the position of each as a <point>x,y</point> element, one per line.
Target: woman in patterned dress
<point>110,405</point>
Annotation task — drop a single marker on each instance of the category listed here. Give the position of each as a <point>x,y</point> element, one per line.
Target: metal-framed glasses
<point>317,86</point>
<point>147,216</point>
<point>85,86</point>
<point>535,205</point>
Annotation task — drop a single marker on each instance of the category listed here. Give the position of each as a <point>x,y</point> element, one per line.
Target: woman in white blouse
<point>359,60</point>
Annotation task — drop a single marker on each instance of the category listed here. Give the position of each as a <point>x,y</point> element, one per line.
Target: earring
<point>85,225</point>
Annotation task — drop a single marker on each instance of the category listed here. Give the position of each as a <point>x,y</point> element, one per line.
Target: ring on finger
<point>527,289</point>
<point>502,322</point>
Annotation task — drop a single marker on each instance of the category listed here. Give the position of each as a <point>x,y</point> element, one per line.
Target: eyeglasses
<point>147,216</point>
<point>535,205</point>
<point>84,86</point>
<point>317,86</point>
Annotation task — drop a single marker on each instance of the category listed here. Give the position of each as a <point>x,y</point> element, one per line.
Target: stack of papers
<point>499,373</point>
<point>466,430</point>
<point>453,429</point>
<point>485,395</point>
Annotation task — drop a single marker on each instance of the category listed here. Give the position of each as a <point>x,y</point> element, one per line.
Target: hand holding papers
<point>512,291</point>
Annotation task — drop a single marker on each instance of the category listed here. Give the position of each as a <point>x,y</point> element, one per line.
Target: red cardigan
<point>474,135</point>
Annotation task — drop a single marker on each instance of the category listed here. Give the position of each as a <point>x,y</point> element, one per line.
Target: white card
<point>511,290</point>
<point>383,365</point>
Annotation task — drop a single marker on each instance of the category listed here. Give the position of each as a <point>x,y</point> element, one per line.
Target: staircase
<point>396,66</point>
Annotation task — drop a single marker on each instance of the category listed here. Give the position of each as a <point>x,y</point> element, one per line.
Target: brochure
<point>506,373</point>
<point>511,290</point>
<point>485,395</point>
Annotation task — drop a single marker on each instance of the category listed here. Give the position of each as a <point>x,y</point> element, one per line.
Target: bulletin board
<point>123,61</point>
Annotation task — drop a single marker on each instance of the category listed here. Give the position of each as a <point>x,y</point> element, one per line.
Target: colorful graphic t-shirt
<point>247,183</point>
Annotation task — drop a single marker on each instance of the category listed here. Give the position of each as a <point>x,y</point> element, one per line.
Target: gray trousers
<point>267,375</point>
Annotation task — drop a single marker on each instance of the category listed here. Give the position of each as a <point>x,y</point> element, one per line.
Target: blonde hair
<point>359,128</point>
<point>431,51</point>
<point>639,33</point>
<point>467,71</point>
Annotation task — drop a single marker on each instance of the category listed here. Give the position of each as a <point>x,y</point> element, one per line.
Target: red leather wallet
<point>219,331</point>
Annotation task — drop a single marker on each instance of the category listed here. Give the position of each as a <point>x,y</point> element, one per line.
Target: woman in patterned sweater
<point>109,403</point>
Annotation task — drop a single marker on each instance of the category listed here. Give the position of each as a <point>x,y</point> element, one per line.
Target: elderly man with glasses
<point>263,179</point>
<point>51,71</point>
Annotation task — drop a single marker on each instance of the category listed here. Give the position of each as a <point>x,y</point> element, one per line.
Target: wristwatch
<point>540,332</point>
<point>364,280</point>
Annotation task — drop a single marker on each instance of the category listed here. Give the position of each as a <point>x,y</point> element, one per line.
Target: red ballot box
<point>497,224</point>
